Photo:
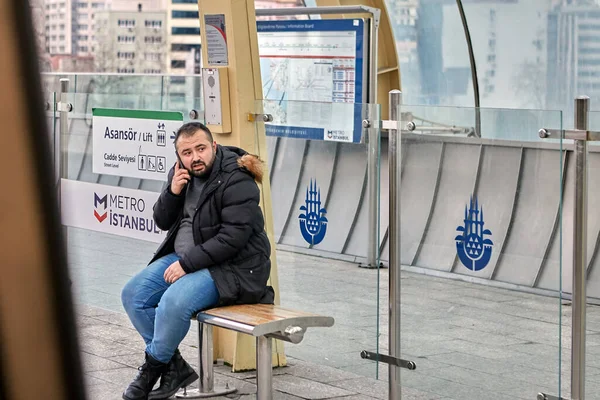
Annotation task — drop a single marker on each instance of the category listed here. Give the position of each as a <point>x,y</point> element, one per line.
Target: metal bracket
<point>260,117</point>
<point>376,17</point>
<point>388,360</point>
<point>543,396</point>
<point>194,114</point>
<point>574,134</point>
<point>383,125</point>
<point>411,127</point>
<point>387,125</point>
<point>60,106</point>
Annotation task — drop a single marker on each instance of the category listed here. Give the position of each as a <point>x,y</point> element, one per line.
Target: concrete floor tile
<point>366,386</point>
<point>449,328</point>
<point>94,363</point>
<point>308,389</point>
<point>105,391</point>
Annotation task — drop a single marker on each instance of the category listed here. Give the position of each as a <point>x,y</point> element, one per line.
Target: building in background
<point>183,28</point>
<point>132,5</point>
<point>70,27</point>
<point>403,17</point>
<point>59,26</point>
<point>574,48</point>
<point>258,4</point>
<point>183,51</point>
<point>38,15</point>
<point>83,42</point>
<point>509,39</point>
<point>131,41</point>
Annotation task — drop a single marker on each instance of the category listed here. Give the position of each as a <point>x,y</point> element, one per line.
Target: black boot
<point>178,374</point>
<point>145,380</point>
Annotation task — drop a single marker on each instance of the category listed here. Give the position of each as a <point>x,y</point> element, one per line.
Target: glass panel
<point>432,52</point>
<point>317,155</point>
<point>101,263</point>
<point>592,385</point>
<point>481,249</point>
<point>166,90</point>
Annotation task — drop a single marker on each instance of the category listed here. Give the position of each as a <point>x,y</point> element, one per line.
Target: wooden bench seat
<point>263,321</point>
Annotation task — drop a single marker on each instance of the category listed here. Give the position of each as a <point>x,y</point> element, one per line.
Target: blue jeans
<point>161,311</point>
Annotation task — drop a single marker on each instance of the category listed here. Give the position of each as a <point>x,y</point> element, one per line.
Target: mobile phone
<point>179,160</point>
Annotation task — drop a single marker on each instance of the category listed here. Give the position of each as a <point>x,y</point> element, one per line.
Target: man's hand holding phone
<point>180,179</point>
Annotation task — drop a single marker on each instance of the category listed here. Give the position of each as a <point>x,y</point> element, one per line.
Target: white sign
<point>134,143</point>
<point>216,39</point>
<point>110,209</point>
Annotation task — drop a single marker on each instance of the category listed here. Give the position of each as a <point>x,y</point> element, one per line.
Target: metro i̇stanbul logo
<point>102,201</point>
<point>124,212</point>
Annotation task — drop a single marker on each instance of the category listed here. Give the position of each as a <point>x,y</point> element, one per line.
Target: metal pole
<point>374,150</point>
<point>263,368</point>
<point>582,105</point>
<point>61,140</point>
<point>474,78</point>
<point>395,165</point>
<point>61,147</point>
<point>206,358</point>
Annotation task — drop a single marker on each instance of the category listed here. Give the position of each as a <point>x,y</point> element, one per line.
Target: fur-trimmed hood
<point>234,157</point>
<point>252,164</point>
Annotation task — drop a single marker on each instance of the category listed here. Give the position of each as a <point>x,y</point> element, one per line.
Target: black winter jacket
<point>228,229</point>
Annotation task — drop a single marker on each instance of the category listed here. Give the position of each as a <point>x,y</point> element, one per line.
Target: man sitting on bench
<point>216,253</point>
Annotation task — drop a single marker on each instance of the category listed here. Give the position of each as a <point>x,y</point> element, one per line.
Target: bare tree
<point>530,86</point>
<point>146,54</point>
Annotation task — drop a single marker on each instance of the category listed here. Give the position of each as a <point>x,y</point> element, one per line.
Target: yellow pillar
<point>240,64</point>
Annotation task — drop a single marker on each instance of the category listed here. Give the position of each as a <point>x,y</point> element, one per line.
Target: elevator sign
<point>134,143</point>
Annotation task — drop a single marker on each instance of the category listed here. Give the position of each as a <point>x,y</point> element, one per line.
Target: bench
<point>263,321</point>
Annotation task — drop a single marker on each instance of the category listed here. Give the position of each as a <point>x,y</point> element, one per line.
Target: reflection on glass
<point>537,63</point>
<point>319,220</point>
<point>482,255</point>
<point>504,124</point>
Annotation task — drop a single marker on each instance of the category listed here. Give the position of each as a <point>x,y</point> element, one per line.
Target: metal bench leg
<point>207,386</point>
<point>264,368</point>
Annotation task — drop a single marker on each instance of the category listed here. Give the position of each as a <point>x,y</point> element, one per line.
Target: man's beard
<point>205,172</point>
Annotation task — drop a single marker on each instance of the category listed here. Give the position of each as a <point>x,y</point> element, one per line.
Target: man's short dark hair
<point>189,129</point>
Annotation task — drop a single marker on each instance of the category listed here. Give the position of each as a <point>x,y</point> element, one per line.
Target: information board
<point>313,75</point>
<point>216,39</point>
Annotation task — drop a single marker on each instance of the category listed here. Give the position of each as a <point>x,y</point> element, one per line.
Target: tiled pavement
<point>469,342</point>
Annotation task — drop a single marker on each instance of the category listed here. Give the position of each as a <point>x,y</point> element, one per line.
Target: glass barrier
<point>317,156</point>
<point>176,86</point>
<point>472,122</point>
<point>482,254</point>
<point>116,154</point>
<point>594,120</point>
<point>592,383</point>
<point>102,261</point>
